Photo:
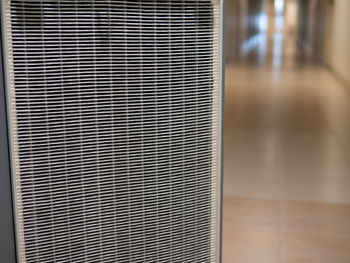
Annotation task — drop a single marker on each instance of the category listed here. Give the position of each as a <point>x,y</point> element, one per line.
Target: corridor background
<point>287,132</point>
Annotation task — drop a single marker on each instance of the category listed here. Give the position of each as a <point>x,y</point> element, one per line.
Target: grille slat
<point>115,119</point>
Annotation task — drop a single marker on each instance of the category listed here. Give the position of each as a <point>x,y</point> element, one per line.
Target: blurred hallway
<point>287,152</point>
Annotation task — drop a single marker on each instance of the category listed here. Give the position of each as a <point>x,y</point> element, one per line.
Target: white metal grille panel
<point>114,118</point>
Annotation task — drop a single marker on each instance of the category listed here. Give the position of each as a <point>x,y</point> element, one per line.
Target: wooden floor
<point>287,161</point>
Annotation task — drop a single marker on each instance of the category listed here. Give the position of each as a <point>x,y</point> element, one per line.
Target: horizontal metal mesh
<point>112,114</point>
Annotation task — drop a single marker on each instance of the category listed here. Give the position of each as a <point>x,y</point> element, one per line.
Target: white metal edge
<point>219,132</point>
<point>12,128</point>
<point>220,127</point>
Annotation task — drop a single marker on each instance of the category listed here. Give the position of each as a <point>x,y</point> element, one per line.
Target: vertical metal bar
<point>6,80</point>
<point>221,127</point>
<point>7,230</point>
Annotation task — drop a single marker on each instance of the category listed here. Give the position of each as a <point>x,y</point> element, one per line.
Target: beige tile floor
<point>286,167</point>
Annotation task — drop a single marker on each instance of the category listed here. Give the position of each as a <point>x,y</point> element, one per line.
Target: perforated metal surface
<point>114,121</point>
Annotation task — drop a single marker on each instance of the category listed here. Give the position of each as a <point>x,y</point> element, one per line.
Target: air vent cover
<point>114,115</point>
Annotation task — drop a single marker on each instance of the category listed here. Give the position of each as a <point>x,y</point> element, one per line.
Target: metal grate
<point>114,115</point>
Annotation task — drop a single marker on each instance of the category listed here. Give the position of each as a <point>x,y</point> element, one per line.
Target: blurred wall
<point>312,27</point>
<point>324,33</point>
<point>291,16</point>
<point>242,23</point>
<point>340,45</point>
<point>235,25</point>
